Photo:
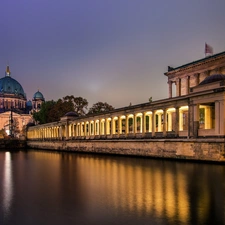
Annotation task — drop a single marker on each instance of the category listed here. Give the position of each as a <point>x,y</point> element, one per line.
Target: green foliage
<point>80,104</point>
<point>51,111</point>
<point>43,115</point>
<point>59,109</point>
<point>100,107</point>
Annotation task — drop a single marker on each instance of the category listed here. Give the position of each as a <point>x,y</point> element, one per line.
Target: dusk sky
<point>114,51</point>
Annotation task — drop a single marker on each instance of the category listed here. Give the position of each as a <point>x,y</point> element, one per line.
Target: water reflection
<point>7,184</point>
<point>63,188</point>
<point>164,189</point>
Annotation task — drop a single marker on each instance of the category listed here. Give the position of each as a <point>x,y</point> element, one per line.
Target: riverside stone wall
<point>191,149</point>
<point>12,144</point>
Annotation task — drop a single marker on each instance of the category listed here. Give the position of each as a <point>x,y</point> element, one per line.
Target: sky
<point>113,51</point>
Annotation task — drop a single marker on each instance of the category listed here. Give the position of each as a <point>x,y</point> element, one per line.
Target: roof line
<point>195,62</point>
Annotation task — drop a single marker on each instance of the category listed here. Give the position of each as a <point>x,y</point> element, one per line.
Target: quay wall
<point>12,144</point>
<point>188,149</point>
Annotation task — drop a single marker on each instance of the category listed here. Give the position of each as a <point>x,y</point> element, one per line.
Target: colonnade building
<point>197,110</point>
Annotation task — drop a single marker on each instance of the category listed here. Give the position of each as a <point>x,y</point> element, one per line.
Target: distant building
<point>37,101</point>
<point>14,108</point>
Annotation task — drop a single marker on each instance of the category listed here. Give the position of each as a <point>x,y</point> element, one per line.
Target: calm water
<point>41,187</point>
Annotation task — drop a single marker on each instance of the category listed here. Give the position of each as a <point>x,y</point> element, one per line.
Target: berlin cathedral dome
<point>10,86</point>
<point>15,110</point>
<point>12,94</point>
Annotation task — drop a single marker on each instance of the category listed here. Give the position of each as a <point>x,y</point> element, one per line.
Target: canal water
<point>45,188</point>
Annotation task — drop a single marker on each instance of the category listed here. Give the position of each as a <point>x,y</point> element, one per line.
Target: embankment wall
<point>12,144</point>
<point>190,149</point>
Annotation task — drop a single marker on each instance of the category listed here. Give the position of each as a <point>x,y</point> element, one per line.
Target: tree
<point>100,107</point>
<point>59,109</point>
<point>80,104</point>
<point>43,115</point>
<point>51,111</point>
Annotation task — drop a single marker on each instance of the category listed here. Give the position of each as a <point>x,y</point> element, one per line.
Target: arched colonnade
<point>164,122</point>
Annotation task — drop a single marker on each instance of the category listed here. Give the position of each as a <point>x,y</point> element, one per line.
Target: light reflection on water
<point>65,188</point>
<point>7,184</point>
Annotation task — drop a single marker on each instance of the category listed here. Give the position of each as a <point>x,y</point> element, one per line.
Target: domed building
<point>37,100</point>
<point>12,95</point>
<point>14,107</point>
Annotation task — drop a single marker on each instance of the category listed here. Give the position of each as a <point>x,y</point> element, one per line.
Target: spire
<point>7,72</point>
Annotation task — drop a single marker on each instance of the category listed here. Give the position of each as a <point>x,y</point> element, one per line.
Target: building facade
<point>15,110</point>
<point>196,111</point>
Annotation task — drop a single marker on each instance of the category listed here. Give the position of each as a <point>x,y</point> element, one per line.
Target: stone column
<point>196,120</point>
<point>177,122</point>
<point>89,128</point>
<point>127,125</point>
<point>85,129</point>
<point>94,127</point>
<point>135,124</point>
<point>169,122</point>
<point>105,127</point>
<point>164,122</point>
<point>97,127</point>
<point>159,122</point>
<point>119,125</point>
<point>187,85</point>
<point>81,130</point>
<point>143,127</point>
<point>178,87</point>
<point>218,120</point>
<point>170,88</point>
<point>112,125</point>
<point>60,132</point>
<point>67,130</point>
<point>208,117</point>
<point>181,120</point>
<point>150,123</point>
<point>153,123</point>
<point>100,127</point>
<point>72,130</point>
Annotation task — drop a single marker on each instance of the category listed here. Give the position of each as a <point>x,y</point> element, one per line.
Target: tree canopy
<point>80,104</point>
<point>100,107</point>
<point>51,111</point>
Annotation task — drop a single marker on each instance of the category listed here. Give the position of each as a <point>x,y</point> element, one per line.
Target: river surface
<point>44,188</point>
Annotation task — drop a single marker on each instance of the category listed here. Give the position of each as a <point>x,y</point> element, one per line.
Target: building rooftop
<point>170,69</point>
